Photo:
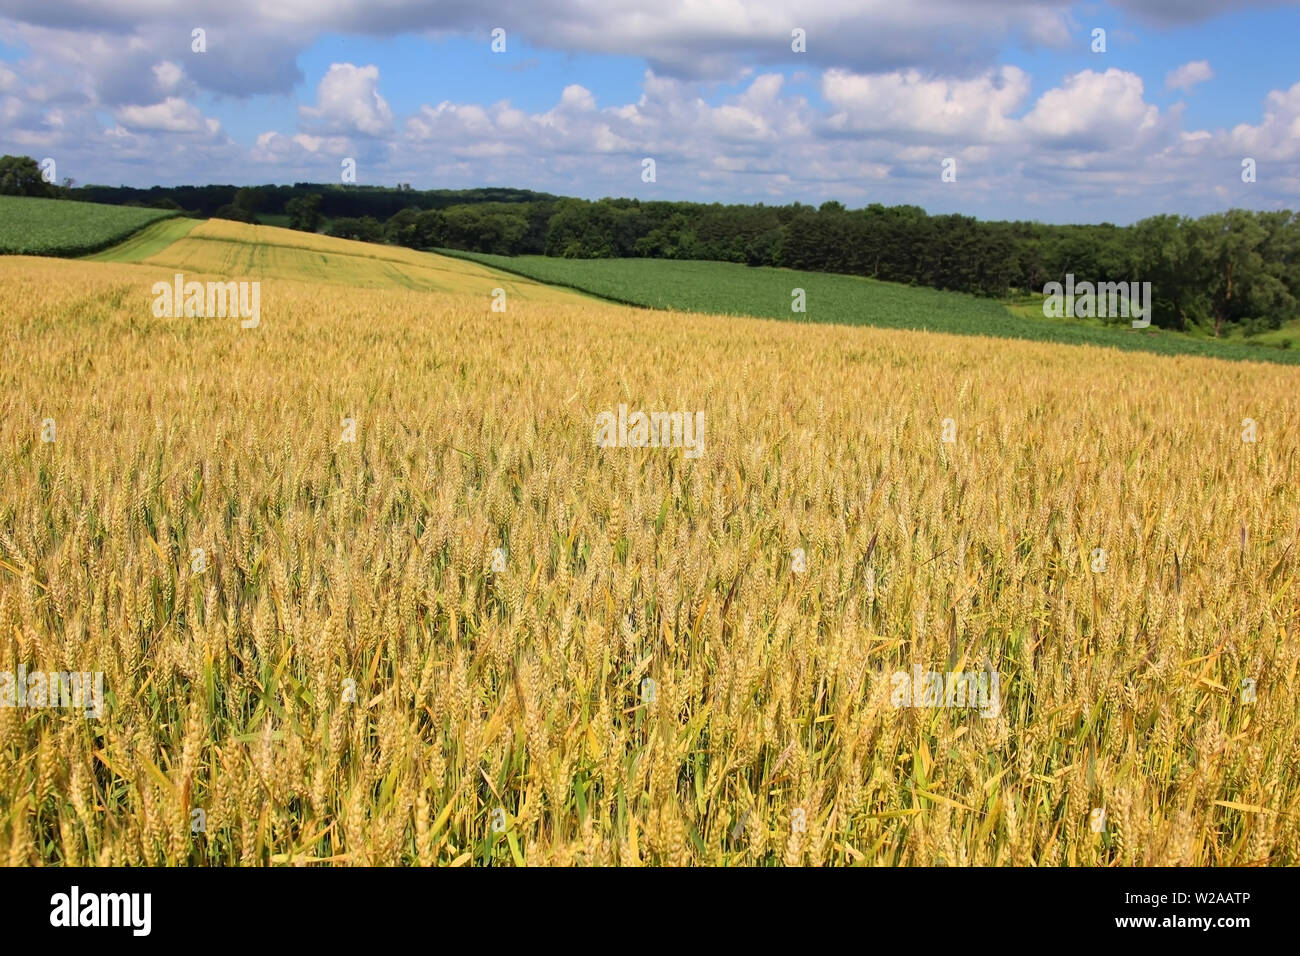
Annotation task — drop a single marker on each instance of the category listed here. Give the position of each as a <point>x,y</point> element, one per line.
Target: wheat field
<point>348,681</point>
<point>218,248</point>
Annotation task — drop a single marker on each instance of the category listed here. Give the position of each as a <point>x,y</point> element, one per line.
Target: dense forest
<point>1236,269</point>
<point>378,202</point>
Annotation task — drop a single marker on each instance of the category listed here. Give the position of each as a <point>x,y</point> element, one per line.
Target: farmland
<point>225,248</point>
<point>149,241</point>
<point>731,289</point>
<point>56,227</point>
<point>365,591</point>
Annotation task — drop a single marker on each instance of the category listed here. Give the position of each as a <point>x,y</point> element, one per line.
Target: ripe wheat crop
<point>266,252</point>
<point>728,288</point>
<point>468,635</point>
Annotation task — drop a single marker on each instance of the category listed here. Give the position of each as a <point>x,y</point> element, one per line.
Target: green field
<point>57,227</point>
<point>150,240</point>
<point>731,289</point>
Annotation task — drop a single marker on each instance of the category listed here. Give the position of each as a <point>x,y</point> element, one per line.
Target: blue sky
<point>1038,124</point>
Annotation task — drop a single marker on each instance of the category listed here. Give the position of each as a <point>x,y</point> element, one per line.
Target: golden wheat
<point>505,717</point>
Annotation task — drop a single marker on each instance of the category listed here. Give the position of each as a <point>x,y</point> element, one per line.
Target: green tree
<point>430,230</point>
<point>1230,272</point>
<point>249,199</point>
<point>235,213</point>
<point>400,227</point>
<point>304,212</point>
<point>672,240</point>
<point>21,176</point>
<point>366,229</point>
<point>1160,244</point>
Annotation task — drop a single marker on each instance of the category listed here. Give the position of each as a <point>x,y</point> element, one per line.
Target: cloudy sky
<point>1040,124</point>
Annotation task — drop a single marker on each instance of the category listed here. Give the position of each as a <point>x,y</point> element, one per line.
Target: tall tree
<point>21,176</point>
<point>304,212</point>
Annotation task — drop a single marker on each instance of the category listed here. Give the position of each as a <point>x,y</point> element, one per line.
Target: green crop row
<point>58,227</point>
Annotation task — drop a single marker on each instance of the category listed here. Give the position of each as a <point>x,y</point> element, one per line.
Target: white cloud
<point>173,115</point>
<point>577,97</point>
<point>941,109</point>
<point>168,76</point>
<point>1188,75</point>
<point>902,87</point>
<point>348,101</point>
<point>253,47</point>
<point>1277,137</point>
<point>318,156</point>
<point>11,107</point>
<point>1096,110</point>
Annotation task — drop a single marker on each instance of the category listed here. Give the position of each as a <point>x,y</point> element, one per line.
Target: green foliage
<point>21,176</point>
<point>249,199</point>
<point>53,227</point>
<point>485,228</point>
<point>336,200</point>
<point>235,214</point>
<point>149,241</point>
<point>367,229</point>
<point>400,230</point>
<point>1236,270</point>
<point>304,213</point>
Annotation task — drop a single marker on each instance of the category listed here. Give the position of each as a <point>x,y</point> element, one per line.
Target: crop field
<point>220,247</point>
<point>57,227</point>
<point>364,589</point>
<point>727,288</point>
<point>149,241</point>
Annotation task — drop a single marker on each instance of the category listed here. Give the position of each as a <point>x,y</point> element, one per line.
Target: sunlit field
<point>52,227</point>
<point>365,590</point>
<point>219,247</point>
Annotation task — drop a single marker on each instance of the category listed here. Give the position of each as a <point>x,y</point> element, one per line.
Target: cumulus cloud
<point>1188,75</point>
<point>172,115</point>
<point>1094,110</point>
<point>168,76</point>
<point>251,51</point>
<point>932,108</point>
<point>316,156</point>
<point>883,137</point>
<point>900,88</point>
<point>348,101</point>
<point>1277,137</point>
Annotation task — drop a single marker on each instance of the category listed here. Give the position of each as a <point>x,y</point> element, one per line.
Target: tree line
<point>1233,269</point>
<point>1236,269</point>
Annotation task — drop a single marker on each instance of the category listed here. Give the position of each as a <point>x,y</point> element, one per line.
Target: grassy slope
<point>1286,336</point>
<point>150,240</point>
<point>728,288</point>
<point>236,250</point>
<point>57,227</point>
